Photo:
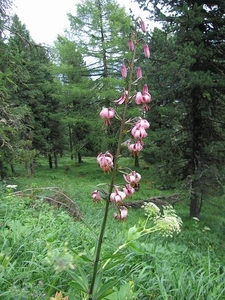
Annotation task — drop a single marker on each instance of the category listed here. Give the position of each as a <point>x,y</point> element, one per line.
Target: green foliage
<point>185,72</point>
<point>48,243</point>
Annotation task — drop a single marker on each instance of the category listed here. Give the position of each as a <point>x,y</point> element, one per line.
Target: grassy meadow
<point>44,247</point>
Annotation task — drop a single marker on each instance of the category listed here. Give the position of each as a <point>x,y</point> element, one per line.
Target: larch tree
<point>76,95</point>
<point>100,28</point>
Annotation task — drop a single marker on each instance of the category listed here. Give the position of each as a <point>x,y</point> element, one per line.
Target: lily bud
<point>143,27</point>
<point>131,45</point>
<point>146,51</point>
<point>145,89</point>
<point>139,72</point>
<point>123,71</point>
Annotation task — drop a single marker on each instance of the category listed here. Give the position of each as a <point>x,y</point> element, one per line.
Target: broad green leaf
<point>105,290</point>
<point>133,234</point>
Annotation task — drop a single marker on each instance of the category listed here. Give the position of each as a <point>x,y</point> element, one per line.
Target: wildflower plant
<point>115,194</point>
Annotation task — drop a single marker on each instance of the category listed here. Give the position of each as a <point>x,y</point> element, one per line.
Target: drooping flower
<point>131,45</point>
<point>96,196</point>
<point>117,196</point>
<point>143,123</point>
<point>146,98</point>
<point>123,70</point>
<point>139,72</point>
<point>133,178</point>
<point>143,98</point>
<point>135,148</point>
<point>107,114</point>
<point>138,132</point>
<point>123,214</point>
<point>146,51</point>
<point>128,190</point>
<point>122,99</point>
<point>105,161</point>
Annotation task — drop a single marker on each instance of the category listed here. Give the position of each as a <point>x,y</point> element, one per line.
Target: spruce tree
<point>194,85</point>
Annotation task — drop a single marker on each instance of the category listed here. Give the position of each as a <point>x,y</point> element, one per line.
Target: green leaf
<point>82,280</point>
<point>77,286</point>
<point>105,290</point>
<point>133,234</point>
<point>137,247</point>
<point>97,284</point>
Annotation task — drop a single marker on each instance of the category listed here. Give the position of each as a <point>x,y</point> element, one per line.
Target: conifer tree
<point>35,87</point>
<point>100,28</point>
<point>192,72</point>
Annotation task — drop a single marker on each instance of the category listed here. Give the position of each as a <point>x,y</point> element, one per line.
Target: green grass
<point>39,242</point>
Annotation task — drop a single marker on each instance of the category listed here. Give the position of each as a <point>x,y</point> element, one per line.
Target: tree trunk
<point>2,170</point>
<point>27,166</point>
<point>55,160</point>
<point>195,199</point>
<point>71,143</point>
<point>79,157</point>
<point>32,167</point>
<point>197,153</point>
<point>50,160</point>
<point>12,169</point>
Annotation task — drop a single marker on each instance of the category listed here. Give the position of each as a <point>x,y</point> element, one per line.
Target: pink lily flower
<point>96,196</point>
<point>143,123</point>
<point>143,99</point>
<point>123,70</point>
<point>135,148</point>
<point>146,98</point>
<point>138,132</point>
<point>105,161</point>
<point>107,114</point>
<point>123,214</point>
<point>146,51</point>
<point>128,190</point>
<point>139,72</point>
<point>133,178</point>
<point>122,98</point>
<point>117,196</point>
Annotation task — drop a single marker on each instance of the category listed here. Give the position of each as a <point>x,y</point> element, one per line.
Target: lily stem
<point>114,172</point>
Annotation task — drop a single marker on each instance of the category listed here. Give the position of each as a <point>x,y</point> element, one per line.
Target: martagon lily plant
<point>108,162</point>
<point>115,195</point>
